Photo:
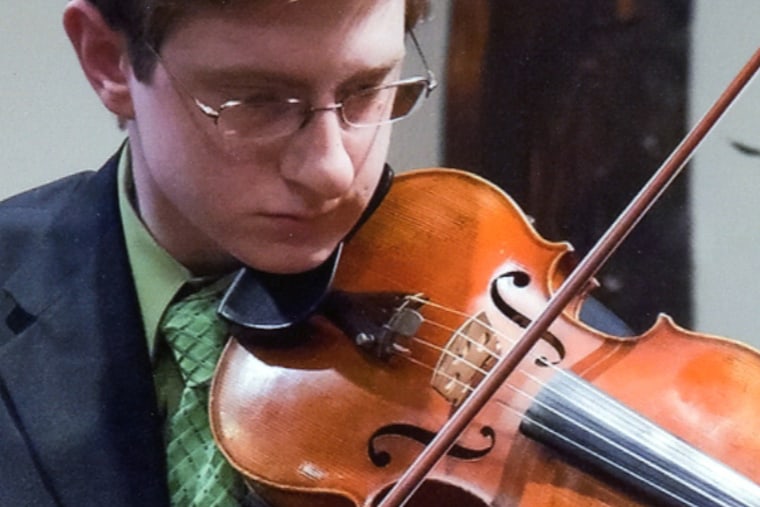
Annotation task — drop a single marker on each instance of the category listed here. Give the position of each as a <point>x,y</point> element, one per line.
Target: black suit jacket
<point>78,418</point>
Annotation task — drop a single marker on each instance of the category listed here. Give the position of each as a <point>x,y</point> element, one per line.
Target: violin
<point>454,328</point>
<point>434,288</point>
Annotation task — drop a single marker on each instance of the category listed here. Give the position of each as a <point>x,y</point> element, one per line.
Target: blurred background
<point>569,105</point>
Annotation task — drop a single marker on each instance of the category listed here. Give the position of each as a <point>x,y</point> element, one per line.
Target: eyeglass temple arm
<point>432,81</point>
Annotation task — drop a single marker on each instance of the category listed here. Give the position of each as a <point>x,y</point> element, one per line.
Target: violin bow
<point>573,284</point>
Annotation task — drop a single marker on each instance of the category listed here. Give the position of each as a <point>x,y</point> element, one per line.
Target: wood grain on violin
<point>434,288</point>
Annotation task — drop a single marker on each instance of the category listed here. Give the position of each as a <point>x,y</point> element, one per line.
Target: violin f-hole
<point>423,436</point>
<point>521,279</point>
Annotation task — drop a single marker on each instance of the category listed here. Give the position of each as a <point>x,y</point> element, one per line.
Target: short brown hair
<point>146,23</point>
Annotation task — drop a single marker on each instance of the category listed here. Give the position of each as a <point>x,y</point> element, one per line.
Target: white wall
<point>53,124</point>
<point>417,140</point>
<point>725,185</point>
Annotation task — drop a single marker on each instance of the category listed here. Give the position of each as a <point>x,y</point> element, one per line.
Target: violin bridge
<point>466,359</point>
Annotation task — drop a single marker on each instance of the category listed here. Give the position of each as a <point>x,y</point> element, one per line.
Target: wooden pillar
<point>570,106</point>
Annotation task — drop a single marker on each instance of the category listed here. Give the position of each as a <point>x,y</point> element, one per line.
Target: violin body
<point>324,422</point>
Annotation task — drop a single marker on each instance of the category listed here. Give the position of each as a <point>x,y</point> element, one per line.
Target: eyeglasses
<point>267,115</point>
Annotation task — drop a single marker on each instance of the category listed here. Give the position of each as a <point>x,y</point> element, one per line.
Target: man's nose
<point>317,157</point>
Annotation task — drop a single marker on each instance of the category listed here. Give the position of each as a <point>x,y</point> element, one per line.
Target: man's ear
<point>102,54</point>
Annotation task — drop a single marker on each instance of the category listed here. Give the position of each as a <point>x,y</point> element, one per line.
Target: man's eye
<point>265,97</point>
<point>364,88</point>
<point>368,94</point>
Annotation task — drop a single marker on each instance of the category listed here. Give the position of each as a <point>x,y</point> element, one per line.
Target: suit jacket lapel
<point>76,377</point>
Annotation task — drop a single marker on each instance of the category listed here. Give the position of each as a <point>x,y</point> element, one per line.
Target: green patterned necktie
<point>199,475</point>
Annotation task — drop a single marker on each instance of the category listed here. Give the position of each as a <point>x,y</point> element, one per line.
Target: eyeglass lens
<point>247,120</point>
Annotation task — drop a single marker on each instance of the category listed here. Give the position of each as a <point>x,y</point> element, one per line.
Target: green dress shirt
<point>158,278</point>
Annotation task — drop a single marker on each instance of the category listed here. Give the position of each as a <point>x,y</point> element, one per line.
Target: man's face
<point>282,204</point>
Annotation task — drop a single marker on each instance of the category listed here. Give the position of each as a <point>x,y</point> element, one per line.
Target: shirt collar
<point>157,275</point>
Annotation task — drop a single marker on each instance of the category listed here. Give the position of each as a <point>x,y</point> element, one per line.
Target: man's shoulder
<point>45,197</point>
<point>55,214</point>
<point>25,216</point>
<point>32,207</point>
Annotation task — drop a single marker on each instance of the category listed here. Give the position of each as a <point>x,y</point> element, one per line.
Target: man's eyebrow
<point>375,73</point>
<point>242,76</point>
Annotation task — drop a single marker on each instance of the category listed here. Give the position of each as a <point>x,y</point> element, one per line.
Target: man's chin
<point>291,260</point>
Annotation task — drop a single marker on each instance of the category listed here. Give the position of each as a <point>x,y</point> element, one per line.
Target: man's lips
<point>291,224</point>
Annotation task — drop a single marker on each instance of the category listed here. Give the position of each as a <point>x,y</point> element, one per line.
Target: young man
<point>257,136</point>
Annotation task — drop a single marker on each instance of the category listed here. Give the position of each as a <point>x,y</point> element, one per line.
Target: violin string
<point>511,341</point>
<point>577,445</point>
<point>560,371</point>
<point>602,457</point>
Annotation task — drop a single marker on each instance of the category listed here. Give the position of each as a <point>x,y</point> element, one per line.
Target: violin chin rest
<point>265,305</point>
